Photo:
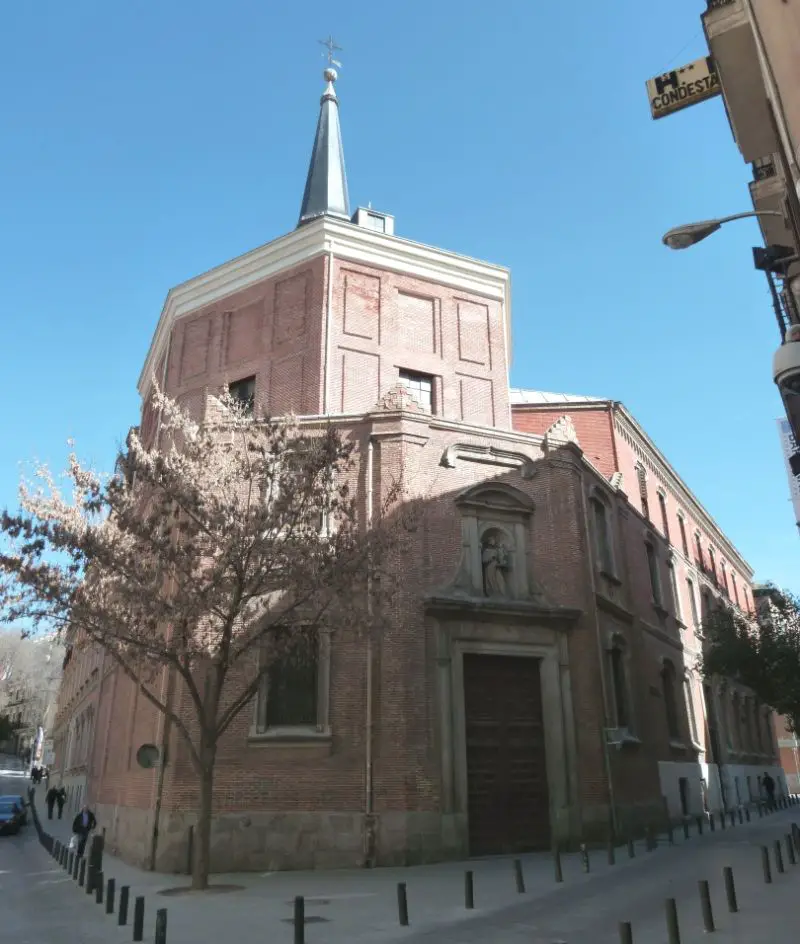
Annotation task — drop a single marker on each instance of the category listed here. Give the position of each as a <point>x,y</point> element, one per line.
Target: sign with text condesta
<point>683,87</point>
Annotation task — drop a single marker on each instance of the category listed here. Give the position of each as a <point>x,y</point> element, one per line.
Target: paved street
<point>358,906</point>
<point>40,905</point>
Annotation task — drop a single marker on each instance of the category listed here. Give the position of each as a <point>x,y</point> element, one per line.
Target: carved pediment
<point>561,433</point>
<point>488,455</point>
<point>616,481</point>
<point>497,496</point>
<point>398,399</point>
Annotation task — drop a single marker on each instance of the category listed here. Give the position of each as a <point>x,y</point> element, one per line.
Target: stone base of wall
<point>260,841</point>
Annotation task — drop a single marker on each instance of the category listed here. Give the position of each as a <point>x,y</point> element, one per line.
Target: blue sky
<point>143,143</point>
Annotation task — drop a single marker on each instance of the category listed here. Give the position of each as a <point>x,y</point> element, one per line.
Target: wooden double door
<point>508,801</point>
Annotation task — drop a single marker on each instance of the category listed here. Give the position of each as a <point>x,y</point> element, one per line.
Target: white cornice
<point>345,241</point>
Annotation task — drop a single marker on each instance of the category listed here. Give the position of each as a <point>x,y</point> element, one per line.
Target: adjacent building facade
<point>536,682</point>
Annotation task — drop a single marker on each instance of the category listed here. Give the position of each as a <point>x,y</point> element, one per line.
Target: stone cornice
<point>481,609</point>
<point>343,240</point>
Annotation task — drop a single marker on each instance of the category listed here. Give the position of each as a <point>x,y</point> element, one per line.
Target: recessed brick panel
<point>416,319</point>
<point>194,349</point>
<point>360,380</point>
<point>290,307</point>
<point>477,405</point>
<point>287,385</point>
<point>473,332</point>
<point>362,305</point>
<point>241,332</point>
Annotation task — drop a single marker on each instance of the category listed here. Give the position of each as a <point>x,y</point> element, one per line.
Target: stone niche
<point>495,520</point>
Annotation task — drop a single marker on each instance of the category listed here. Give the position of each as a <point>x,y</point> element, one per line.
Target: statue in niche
<point>496,565</point>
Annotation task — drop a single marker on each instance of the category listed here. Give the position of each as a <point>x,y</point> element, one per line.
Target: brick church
<point>541,685</point>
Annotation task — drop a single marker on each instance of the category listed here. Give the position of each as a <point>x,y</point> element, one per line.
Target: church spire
<point>326,183</point>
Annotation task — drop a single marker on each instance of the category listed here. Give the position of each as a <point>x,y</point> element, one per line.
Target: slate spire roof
<point>326,183</point>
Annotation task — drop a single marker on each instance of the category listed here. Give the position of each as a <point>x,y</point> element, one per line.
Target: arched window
<point>692,603</point>
<point>670,700</point>
<point>673,585</point>
<point>724,578</point>
<point>698,546</point>
<point>619,683</point>
<point>641,477</point>
<point>602,535</point>
<point>735,588</point>
<point>712,564</point>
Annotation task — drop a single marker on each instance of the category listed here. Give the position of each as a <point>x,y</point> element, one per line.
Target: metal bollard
<point>741,816</point>
<point>625,932</point>
<point>673,928</point>
<point>469,890</point>
<point>557,864</point>
<point>705,906</point>
<point>110,888</point>
<point>760,811</point>
<point>56,850</point>
<point>90,874</point>
<point>778,856</point>
<point>699,825</point>
<point>519,878</point>
<point>730,889</point>
<point>790,850</point>
<point>402,904</point>
<point>733,818</point>
<point>74,863</point>
<point>650,840</point>
<point>670,836</point>
<point>765,865</point>
<point>631,849</point>
<point>747,813</point>
<point>612,853</point>
<point>686,829</point>
<point>190,851</point>
<point>299,920</point>
<point>711,825</point>
<point>82,872</point>
<point>124,895</point>
<point>138,918</point>
<point>161,927</point>
<point>98,887</point>
<point>585,864</point>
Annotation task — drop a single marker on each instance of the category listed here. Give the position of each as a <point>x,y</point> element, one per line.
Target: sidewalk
<point>361,905</point>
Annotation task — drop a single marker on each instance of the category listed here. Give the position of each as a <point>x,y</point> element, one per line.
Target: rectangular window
<point>652,566</point>
<point>641,477</point>
<point>735,589</point>
<point>725,579</point>
<point>244,392</point>
<point>420,386</point>
<point>712,565</point>
<point>602,536</point>
<point>617,657</point>
<point>699,551</point>
<point>673,585</point>
<point>662,504</point>
<point>692,603</point>
<point>684,542</point>
<point>690,710</point>
<point>289,696</point>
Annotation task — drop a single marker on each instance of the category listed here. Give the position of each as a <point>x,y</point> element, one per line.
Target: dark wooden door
<point>508,802</point>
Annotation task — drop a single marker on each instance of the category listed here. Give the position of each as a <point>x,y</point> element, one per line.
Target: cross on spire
<point>331,46</point>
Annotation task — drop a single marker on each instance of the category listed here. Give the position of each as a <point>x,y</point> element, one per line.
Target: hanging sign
<point>683,87</point>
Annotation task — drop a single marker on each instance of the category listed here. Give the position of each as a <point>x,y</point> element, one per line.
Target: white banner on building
<point>789,444</point>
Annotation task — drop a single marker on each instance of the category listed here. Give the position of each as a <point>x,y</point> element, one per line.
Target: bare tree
<point>210,552</point>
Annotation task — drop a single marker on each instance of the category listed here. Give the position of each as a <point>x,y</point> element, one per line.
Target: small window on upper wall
<point>662,504</point>
<point>244,391</point>
<point>420,386</point>
<point>655,577</point>
<point>684,542</point>
<point>641,477</point>
<point>735,588</point>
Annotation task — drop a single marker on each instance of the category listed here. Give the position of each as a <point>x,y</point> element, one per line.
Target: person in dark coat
<point>82,825</point>
<point>61,799</point>
<point>50,800</point>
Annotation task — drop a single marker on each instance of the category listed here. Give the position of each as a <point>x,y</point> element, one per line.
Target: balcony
<point>732,44</point>
<point>786,373</point>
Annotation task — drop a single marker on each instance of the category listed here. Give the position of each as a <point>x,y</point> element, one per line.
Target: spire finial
<point>330,45</point>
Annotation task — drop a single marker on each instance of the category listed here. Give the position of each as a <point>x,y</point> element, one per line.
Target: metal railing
<point>715,4</point>
<point>763,168</point>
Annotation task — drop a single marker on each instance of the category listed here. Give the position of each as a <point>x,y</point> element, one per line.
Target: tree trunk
<point>202,837</point>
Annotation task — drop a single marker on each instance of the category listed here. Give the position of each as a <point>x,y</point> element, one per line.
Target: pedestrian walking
<point>769,786</point>
<point>61,799</point>
<point>50,800</point>
<point>82,825</point>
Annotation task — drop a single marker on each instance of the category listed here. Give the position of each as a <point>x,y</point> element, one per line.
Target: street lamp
<point>681,237</point>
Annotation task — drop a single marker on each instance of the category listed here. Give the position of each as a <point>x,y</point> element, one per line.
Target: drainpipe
<point>369,850</point>
<point>601,663</point>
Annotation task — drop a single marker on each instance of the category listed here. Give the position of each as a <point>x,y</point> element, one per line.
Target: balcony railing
<point>715,4</point>
<point>763,168</point>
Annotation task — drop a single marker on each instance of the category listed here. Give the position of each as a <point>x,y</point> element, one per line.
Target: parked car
<point>21,803</point>
<point>10,817</point>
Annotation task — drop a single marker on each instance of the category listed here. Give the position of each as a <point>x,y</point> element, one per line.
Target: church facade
<point>537,683</point>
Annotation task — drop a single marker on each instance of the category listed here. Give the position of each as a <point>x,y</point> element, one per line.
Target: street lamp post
<point>681,237</point>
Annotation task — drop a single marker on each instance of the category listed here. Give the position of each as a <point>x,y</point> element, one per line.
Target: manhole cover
<point>310,919</point>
